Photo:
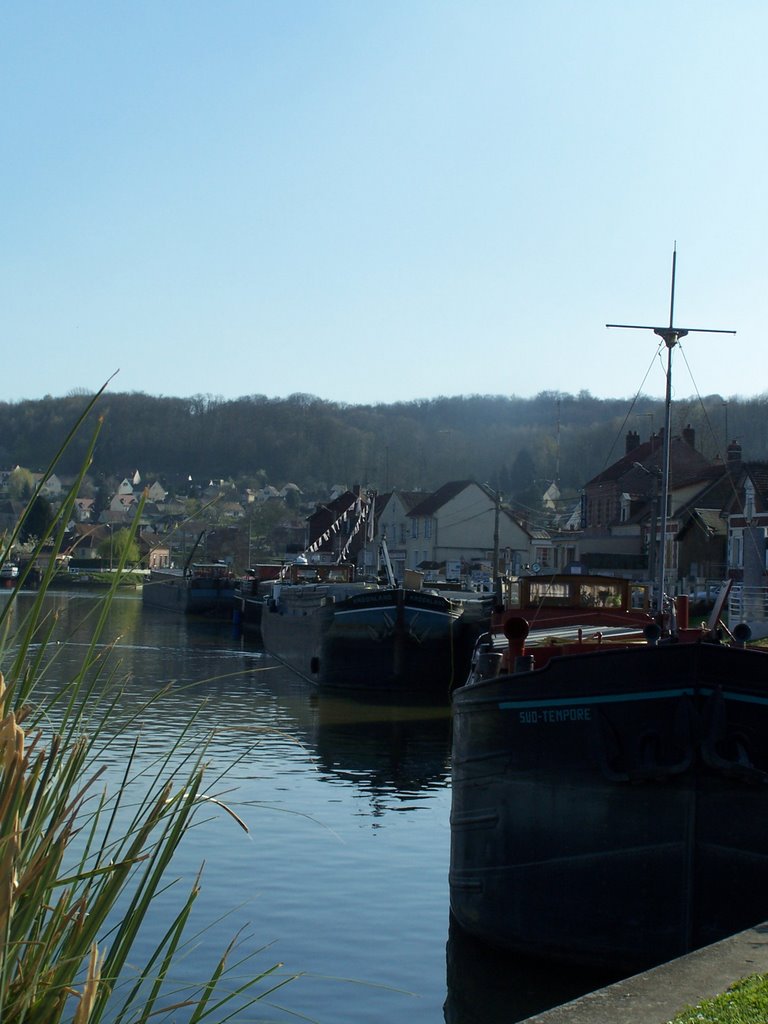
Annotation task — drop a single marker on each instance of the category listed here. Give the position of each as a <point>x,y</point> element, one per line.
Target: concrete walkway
<point>657,995</point>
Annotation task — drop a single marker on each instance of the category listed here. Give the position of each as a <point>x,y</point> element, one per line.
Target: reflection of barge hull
<point>251,610</point>
<point>609,808</point>
<point>363,638</point>
<point>196,593</point>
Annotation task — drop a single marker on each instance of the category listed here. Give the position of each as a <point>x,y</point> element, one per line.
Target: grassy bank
<point>745,1002</point>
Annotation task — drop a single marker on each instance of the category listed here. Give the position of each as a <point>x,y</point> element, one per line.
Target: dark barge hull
<point>610,808</point>
<point>189,596</point>
<point>372,640</point>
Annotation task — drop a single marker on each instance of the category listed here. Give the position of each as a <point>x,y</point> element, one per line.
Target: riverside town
<point>570,705</point>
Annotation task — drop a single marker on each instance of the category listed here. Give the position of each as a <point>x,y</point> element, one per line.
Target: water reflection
<point>347,802</point>
<point>382,747</point>
<point>493,986</point>
<point>394,747</point>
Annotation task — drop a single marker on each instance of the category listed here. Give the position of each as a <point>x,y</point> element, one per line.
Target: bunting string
<point>362,513</point>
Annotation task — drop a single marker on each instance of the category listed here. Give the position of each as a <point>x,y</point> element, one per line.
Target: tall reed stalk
<point>75,885</point>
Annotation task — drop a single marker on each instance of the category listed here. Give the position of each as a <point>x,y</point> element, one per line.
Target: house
<point>621,504</point>
<point>338,529</point>
<point>125,487</point>
<point>747,520</point>
<point>50,486</point>
<point>5,478</point>
<point>84,510</point>
<point>123,504</point>
<point>260,497</point>
<point>156,492</point>
<point>551,497</point>
<point>702,538</point>
<point>462,524</point>
<point>290,492</point>
<point>229,510</point>
<point>84,540</point>
<point>393,525</point>
<point>154,552</point>
<point>702,543</point>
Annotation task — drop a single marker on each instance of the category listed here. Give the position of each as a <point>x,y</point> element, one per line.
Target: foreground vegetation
<point>81,868</point>
<point>745,1002</point>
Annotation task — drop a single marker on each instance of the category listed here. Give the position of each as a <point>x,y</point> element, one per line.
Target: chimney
<point>689,436</point>
<point>734,453</point>
<point>633,441</point>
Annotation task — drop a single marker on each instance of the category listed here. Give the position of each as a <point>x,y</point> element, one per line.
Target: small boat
<point>203,588</point>
<point>610,774</point>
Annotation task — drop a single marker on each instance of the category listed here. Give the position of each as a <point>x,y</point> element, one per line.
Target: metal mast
<point>670,335</point>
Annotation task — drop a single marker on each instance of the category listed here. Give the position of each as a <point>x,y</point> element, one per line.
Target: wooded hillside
<point>512,443</point>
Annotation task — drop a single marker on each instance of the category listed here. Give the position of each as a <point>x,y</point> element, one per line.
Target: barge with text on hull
<point>609,784</point>
<point>610,771</point>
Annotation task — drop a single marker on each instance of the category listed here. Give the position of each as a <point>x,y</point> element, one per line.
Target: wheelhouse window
<point>576,593</point>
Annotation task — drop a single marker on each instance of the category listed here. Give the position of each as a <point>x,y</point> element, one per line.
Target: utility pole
<point>497,511</point>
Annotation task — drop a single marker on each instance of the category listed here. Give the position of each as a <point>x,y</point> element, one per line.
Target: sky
<point>376,202</point>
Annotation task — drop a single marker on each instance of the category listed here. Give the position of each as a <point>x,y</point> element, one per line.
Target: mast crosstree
<point>671,335</point>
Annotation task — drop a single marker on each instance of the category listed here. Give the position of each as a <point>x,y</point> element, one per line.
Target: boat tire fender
<point>652,633</point>
<point>742,633</point>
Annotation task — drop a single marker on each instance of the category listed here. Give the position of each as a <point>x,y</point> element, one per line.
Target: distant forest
<point>513,444</point>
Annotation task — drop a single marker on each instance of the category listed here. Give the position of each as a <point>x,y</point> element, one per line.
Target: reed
<point>80,868</point>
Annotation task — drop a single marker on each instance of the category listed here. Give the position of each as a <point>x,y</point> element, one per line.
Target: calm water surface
<point>343,874</point>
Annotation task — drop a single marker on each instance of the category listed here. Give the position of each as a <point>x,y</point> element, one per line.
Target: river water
<point>342,876</point>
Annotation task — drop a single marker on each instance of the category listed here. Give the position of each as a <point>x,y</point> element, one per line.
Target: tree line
<point>514,444</point>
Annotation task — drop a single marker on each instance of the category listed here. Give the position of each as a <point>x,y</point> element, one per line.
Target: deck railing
<point>748,604</point>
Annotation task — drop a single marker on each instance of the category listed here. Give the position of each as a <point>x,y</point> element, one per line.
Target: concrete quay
<point>657,995</point>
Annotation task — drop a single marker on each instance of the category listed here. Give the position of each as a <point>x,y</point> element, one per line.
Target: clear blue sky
<point>380,201</point>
